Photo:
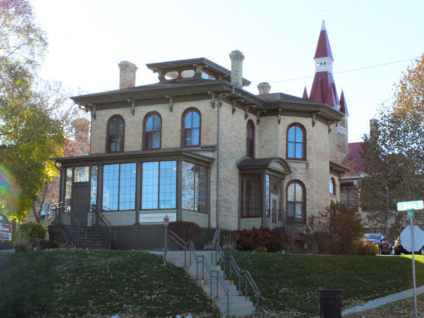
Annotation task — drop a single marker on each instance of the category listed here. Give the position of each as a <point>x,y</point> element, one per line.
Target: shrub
<point>30,230</point>
<point>188,231</point>
<point>229,242</point>
<point>283,237</point>
<point>365,249</point>
<point>39,243</point>
<point>23,247</point>
<point>250,240</point>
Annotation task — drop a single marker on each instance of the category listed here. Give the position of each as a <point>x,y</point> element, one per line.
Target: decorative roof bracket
<point>221,77</point>
<point>221,96</point>
<point>132,102</point>
<point>314,116</point>
<point>246,109</point>
<point>213,101</point>
<point>159,71</point>
<point>93,109</point>
<point>171,101</point>
<point>279,115</point>
<point>330,123</point>
<point>258,114</point>
<point>235,103</point>
<point>199,69</point>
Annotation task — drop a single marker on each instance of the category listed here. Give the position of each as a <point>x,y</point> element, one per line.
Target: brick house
<point>198,147</point>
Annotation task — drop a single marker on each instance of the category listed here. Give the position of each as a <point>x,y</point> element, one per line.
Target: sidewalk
<point>384,300</point>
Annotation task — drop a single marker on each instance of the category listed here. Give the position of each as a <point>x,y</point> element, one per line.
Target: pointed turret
<point>323,47</point>
<point>343,105</point>
<point>305,93</point>
<point>323,88</point>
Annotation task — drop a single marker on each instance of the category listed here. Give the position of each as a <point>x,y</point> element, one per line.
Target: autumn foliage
<point>256,240</point>
<point>338,230</point>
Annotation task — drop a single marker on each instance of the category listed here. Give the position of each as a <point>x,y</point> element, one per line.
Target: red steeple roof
<point>305,93</point>
<point>343,105</point>
<point>324,90</point>
<point>323,47</point>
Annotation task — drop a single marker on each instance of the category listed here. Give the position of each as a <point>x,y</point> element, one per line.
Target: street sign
<point>411,205</point>
<point>411,214</point>
<point>5,228</point>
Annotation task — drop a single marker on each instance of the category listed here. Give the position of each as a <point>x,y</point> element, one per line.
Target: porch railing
<point>215,275</point>
<point>73,226</point>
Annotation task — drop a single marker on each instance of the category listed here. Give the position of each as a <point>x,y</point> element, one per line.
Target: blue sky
<point>87,40</point>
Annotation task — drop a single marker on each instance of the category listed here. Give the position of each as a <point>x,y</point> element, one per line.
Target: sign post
<point>411,207</point>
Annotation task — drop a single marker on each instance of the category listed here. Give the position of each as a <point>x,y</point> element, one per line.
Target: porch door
<point>81,202</point>
<point>274,210</point>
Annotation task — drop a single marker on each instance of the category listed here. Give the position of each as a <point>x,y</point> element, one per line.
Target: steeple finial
<point>323,28</point>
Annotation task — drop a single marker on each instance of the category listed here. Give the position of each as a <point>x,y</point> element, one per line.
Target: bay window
<point>251,184</point>
<point>119,182</point>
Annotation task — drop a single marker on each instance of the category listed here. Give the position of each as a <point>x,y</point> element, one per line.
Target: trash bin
<point>330,303</point>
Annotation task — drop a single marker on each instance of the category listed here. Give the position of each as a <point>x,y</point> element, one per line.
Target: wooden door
<point>81,202</point>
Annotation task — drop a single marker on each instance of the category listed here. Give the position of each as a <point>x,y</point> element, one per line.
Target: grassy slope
<point>291,281</point>
<point>79,282</point>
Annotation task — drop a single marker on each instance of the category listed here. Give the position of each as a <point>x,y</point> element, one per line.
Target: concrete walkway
<point>384,300</point>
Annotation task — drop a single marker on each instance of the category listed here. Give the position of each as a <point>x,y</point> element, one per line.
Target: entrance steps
<point>238,304</point>
<point>89,237</point>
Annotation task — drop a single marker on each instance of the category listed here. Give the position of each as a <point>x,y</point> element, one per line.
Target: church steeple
<point>305,93</point>
<point>324,89</point>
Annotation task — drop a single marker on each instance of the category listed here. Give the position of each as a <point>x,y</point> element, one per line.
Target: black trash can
<point>331,303</point>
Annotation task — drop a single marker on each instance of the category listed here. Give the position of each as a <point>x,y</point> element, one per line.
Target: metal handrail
<point>202,260</point>
<point>108,226</point>
<point>78,224</point>
<point>242,275</point>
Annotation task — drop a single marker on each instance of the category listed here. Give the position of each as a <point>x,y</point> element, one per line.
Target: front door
<point>81,202</point>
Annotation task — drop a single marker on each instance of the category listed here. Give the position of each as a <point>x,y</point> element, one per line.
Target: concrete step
<point>220,292</point>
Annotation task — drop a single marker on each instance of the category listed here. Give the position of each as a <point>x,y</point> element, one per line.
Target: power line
<point>356,69</point>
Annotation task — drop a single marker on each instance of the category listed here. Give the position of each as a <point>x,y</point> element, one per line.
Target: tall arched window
<point>332,186</point>
<point>296,202</point>
<point>115,134</point>
<point>152,131</point>
<point>250,139</point>
<point>191,121</point>
<point>296,142</point>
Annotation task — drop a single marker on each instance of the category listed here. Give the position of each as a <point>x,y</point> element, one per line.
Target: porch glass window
<point>119,183</point>
<point>194,187</point>
<point>159,185</point>
<point>332,187</point>
<point>82,174</point>
<point>153,126</point>
<point>251,195</point>
<point>192,128</point>
<point>68,188</point>
<point>93,188</point>
<point>116,130</point>
<point>295,203</point>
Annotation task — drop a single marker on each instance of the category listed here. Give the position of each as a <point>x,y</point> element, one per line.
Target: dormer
<point>199,68</point>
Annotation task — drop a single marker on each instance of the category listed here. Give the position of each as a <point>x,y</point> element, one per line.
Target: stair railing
<point>242,275</point>
<point>100,224</point>
<point>74,224</point>
<point>201,259</point>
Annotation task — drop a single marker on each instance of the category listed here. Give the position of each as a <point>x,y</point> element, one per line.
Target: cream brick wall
<point>171,124</point>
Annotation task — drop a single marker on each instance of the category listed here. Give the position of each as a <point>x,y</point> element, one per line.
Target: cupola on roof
<point>201,67</point>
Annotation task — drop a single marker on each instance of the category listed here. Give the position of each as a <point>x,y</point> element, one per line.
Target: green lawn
<point>291,282</point>
<point>77,282</point>
<point>80,282</point>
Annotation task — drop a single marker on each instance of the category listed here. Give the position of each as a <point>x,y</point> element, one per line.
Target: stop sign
<point>405,238</point>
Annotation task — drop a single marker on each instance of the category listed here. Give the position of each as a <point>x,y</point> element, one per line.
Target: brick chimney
<point>264,88</point>
<point>237,68</point>
<point>127,74</point>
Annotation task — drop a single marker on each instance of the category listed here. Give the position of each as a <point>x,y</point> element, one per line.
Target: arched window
<point>152,131</point>
<point>115,134</point>
<point>191,128</point>
<point>332,186</point>
<point>296,202</point>
<point>250,139</point>
<point>296,142</point>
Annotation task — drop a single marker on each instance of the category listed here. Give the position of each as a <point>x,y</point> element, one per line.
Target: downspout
<point>218,137</point>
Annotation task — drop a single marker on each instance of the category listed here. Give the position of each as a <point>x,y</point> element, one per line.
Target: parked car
<point>399,248</point>
<point>384,247</point>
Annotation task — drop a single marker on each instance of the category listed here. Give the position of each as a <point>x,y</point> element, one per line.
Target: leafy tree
<point>394,153</point>
<point>34,115</point>
<point>338,230</point>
